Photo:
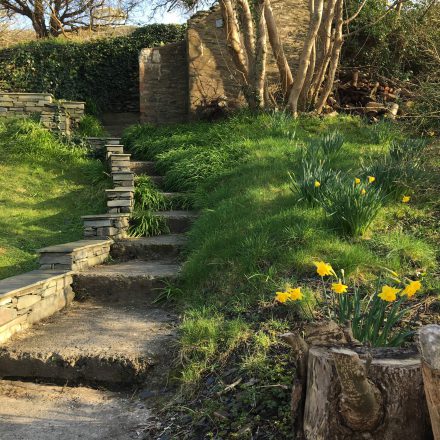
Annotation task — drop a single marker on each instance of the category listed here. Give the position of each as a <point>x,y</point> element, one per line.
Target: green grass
<point>46,184</point>
<point>253,236</point>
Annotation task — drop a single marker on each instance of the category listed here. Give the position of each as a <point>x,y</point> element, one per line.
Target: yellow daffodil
<point>323,269</point>
<point>295,294</point>
<point>406,199</point>
<point>363,191</point>
<point>357,181</point>
<point>371,179</point>
<point>388,293</point>
<point>412,288</point>
<point>282,297</point>
<point>339,287</point>
<point>317,183</point>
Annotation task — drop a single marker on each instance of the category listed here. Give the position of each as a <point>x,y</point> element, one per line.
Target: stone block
<point>7,314</point>
<point>12,327</point>
<point>121,202</point>
<point>27,301</point>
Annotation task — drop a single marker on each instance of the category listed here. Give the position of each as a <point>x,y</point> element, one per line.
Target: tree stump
<point>353,394</point>
<point>429,347</point>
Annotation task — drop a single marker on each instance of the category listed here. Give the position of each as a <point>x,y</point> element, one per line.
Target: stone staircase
<point>113,334</point>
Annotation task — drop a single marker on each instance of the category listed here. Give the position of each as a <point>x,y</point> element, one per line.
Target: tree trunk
<point>334,58</point>
<point>38,20</point>
<point>316,7</point>
<point>286,77</point>
<point>336,393</point>
<point>429,347</point>
<point>260,56</point>
<point>248,33</point>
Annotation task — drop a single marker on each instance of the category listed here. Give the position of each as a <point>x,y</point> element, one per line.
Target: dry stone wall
<point>163,83</point>
<point>177,83</point>
<point>55,115</point>
<point>31,297</point>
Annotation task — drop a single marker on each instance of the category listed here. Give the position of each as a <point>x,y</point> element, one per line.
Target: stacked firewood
<point>356,92</point>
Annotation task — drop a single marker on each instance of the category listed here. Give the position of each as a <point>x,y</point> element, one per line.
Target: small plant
<point>146,195</point>
<point>382,132</point>
<point>331,143</point>
<point>351,204</point>
<point>408,149</point>
<point>312,177</point>
<point>146,223</point>
<point>375,316</point>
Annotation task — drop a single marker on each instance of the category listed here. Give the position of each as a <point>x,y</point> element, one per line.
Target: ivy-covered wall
<point>103,73</point>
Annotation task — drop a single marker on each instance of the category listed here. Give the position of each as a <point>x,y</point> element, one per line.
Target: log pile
<point>359,93</point>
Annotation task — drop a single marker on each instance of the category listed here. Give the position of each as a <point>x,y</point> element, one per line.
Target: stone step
<point>76,255</point>
<point>178,221</point>
<point>92,342</point>
<point>124,281</point>
<point>149,248</point>
<point>158,180</point>
<point>143,167</point>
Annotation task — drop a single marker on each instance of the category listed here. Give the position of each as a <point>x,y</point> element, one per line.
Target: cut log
<point>395,374</point>
<point>429,347</point>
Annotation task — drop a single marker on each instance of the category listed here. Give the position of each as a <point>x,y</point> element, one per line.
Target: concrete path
<point>44,412</point>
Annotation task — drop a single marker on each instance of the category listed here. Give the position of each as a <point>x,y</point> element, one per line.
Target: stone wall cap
<point>100,216</point>
<point>10,286</point>
<point>73,246</point>
<point>121,189</point>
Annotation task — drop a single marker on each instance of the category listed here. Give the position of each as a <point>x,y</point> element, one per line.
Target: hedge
<point>103,73</point>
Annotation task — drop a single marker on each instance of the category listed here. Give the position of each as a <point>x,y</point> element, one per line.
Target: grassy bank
<point>46,184</point>
<point>254,235</point>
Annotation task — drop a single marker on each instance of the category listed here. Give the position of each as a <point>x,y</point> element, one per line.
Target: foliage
<point>331,143</point>
<point>103,73</point>
<point>89,126</point>
<point>148,200</point>
<point>46,185</point>
<point>352,207</point>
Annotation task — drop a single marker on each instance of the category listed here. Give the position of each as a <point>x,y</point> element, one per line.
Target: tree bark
<point>429,347</point>
<point>284,70</point>
<point>248,32</point>
<point>334,58</point>
<point>316,8</point>
<point>396,374</point>
<point>260,56</point>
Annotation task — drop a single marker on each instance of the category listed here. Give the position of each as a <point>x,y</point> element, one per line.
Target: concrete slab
<point>44,412</point>
<point>73,246</point>
<point>91,342</point>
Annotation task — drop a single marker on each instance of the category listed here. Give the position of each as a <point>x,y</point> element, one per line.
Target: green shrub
<point>90,126</point>
<point>351,207</point>
<point>103,73</point>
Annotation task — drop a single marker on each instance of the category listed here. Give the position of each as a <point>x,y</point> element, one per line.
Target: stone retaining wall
<point>55,115</point>
<point>31,297</point>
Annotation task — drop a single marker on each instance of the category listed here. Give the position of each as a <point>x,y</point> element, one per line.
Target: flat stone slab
<point>178,221</point>
<point>45,412</point>
<point>93,341</point>
<point>137,268</point>
<point>74,246</point>
<point>9,286</point>
<point>105,216</point>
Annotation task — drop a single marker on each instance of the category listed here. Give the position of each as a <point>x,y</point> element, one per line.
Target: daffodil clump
<point>375,316</point>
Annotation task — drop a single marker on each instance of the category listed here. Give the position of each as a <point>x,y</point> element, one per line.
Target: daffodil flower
<point>363,191</point>
<point>282,297</point>
<point>323,269</point>
<point>339,287</point>
<point>406,199</point>
<point>412,288</point>
<point>295,294</point>
<point>357,181</point>
<point>388,293</point>
<point>371,179</point>
<point>317,183</point>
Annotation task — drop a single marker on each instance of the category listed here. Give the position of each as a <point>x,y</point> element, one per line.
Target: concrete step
<point>92,342</point>
<point>178,221</point>
<point>149,248</point>
<point>143,167</point>
<point>76,255</point>
<point>125,281</point>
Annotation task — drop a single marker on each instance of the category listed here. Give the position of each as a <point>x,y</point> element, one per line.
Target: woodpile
<point>360,93</point>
